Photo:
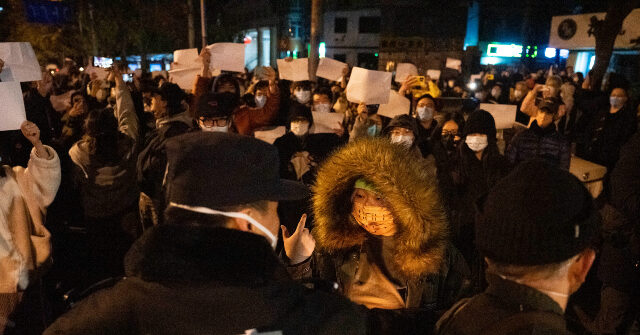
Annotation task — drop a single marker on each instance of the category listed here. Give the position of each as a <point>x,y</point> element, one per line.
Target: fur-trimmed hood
<point>408,186</point>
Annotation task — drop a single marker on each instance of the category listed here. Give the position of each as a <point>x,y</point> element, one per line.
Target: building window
<point>369,25</point>
<point>340,57</point>
<point>368,60</point>
<point>340,25</point>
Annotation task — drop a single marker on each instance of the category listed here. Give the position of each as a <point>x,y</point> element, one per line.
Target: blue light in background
<point>490,60</point>
<point>564,53</point>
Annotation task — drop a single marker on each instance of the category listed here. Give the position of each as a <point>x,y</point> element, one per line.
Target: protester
<point>541,139</point>
<point>25,248</point>
<point>381,232</point>
<point>172,119</point>
<point>73,120</point>
<point>105,173</point>
<point>300,151</point>
<point>478,167</point>
<point>403,130</point>
<point>551,89</point>
<point>445,149</point>
<point>367,122</point>
<point>213,261</point>
<point>215,112</point>
<point>415,82</point>
<point>608,130</point>
<point>535,229</point>
<point>425,114</point>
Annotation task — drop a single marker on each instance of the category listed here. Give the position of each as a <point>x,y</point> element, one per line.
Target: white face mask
<point>209,211</point>
<point>425,113</point>
<point>476,143</point>
<point>406,140</point>
<point>479,95</point>
<point>299,128</point>
<point>496,93</point>
<point>518,94</point>
<point>322,108</point>
<point>261,100</point>
<point>303,96</point>
<point>215,129</point>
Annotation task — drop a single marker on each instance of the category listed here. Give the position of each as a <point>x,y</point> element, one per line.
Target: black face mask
<point>449,143</point>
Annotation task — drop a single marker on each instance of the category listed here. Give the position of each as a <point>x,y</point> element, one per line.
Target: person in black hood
<point>542,139</point>
<point>478,167</point>
<point>300,151</point>
<point>403,130</point>
<point>445,148</point>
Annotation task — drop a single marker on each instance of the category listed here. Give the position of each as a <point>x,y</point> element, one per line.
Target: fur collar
<point>189,253</point>
<point>407,184</point>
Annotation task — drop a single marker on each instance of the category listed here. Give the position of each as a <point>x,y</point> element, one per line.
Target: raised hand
<point>300,245</point>
<point>32,133</point>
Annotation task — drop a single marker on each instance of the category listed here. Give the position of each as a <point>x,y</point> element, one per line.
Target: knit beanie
<point>539,214</point>
<point>402,121</point>
<point>481,122</point>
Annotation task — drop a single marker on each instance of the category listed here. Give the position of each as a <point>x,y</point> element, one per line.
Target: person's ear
<point>580,268</point>
<point>242,224</point>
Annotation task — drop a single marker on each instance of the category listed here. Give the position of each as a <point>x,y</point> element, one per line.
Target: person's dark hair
<point>226,78</point>
<point>262,85</point>
<point>175,215</point>
<point>544,271</point>
<point>101,132</point>
<point>305,85</point>
<point>299,111</point>
<point>455,117</point>
<point>616,80</point>
<point>324,91</point>
<point>173,95</point>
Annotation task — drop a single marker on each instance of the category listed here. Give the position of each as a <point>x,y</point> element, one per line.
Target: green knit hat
<point>365,185</point>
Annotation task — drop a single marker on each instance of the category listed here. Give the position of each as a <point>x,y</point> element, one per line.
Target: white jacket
<point>24,197</point>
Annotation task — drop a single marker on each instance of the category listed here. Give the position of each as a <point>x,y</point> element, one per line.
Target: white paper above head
<point>398,105</point>
<point>20,62</point>
<point>368,86</point>
<point>186,58</point>
<point>330,69</point>
<point>434,74</point>
<point>271,135</point>
<point>404,70</point>
<point>184,78</point>
<point>504,115</point>
<point>324,122</point>
<point>475,77</point>
<point>295,70</point>
<point>453,63</point>
<point>61,102</point>
<point>12,112</point>
<point>227,56</point>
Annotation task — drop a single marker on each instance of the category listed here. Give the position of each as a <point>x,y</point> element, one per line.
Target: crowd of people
<point>140,207</point>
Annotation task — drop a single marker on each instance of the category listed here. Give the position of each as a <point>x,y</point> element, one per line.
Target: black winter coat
<point>202,280</point>
<point>536,142</point>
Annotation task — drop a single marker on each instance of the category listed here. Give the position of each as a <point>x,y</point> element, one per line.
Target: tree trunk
<point>316,30</point>
<point>191,25</point>
<point>606,32</point>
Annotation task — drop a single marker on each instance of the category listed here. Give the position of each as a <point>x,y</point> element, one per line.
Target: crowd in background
<point>111,138</point>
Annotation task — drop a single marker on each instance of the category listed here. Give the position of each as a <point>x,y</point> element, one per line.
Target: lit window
<point>550,52</point>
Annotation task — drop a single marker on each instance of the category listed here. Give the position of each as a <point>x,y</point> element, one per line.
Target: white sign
<point>227,56</point>
<point>453,63</point>
<point>398,105</point>
<point>324,122</point>
<point>12,112</point>
<point>368,86</point>
<point>294,70</point>
<point>404,70</point>
<point>20,62</point>
<point>184,78</point>
<point>186,58</point>
<point>330,69</point>
<point>270,136</point>
<point>433,74</point>
<point>504,115</point>
<point>572,31</point>
<point>475,77</point>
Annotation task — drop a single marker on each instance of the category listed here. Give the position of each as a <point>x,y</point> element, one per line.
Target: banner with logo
<point>576,31</point>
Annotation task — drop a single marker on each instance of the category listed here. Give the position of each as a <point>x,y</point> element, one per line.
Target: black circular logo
<point>567,29</point>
